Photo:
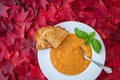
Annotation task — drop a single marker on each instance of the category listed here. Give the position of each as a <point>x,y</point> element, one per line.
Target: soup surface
<point>68,58</point>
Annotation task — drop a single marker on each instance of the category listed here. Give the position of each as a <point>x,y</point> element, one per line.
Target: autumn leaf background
<point>19,19</point>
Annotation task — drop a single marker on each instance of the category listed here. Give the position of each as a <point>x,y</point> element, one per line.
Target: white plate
<point>91,73</point>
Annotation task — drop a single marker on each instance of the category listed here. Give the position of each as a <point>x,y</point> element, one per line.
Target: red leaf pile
<point>19,19</point>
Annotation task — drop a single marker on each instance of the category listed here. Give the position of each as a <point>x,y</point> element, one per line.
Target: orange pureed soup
<point>68,58</point>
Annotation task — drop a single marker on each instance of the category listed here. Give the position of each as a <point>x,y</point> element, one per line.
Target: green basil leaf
<point>80,33</point>
<point>96,45</point>
<point>88,41</point>
<point>92,34</point>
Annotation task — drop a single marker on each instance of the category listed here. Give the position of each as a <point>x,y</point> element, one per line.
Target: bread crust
<point>49,36</point>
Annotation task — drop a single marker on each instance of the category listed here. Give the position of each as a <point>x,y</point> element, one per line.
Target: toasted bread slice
<point>50,37</point>
<point>40,42</point>
<point>40,31</point>
<point>55,35</point>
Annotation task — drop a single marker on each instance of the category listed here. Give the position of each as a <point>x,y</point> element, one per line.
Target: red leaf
<point>35,25</point>
<point>14,57</point>
<point>101,33</point>
<point>36,72</point>
<point>7,39</point>
<point>65,12</point>
<point>70,1</point>
<point>116,63</point>
<point>31,15</point>
<point>2,51</point>
<point>29,19</point>
<point>18,32</point>
<point>27,26</point>
<point>69,13</point>
<point>115,14</point>
<point>109,3</point>
<point>6,68</point>
<point>30,3</point>
<point>13,10</point>
<point>51,14</point>
<point>40,19</point>
<point>9,2</point>
<point>117,3</point>
<point>30,54</point>
<point>80,5</point>
<point>42,3</point>
<point>27,43</point>
<point>23,56</point>
<point>100,9</point>
<point>109,29</point>
<point>7,55</point>
<point>85,16</point>
<point>116,35</point>
<point>57,3</point>
<point>116,48</point>
<point>30,33</point>
<point>3,10</point>
<point>3,28</point>
<point>20,15</point>
<point>2,77</point>
<point>21,71</point>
